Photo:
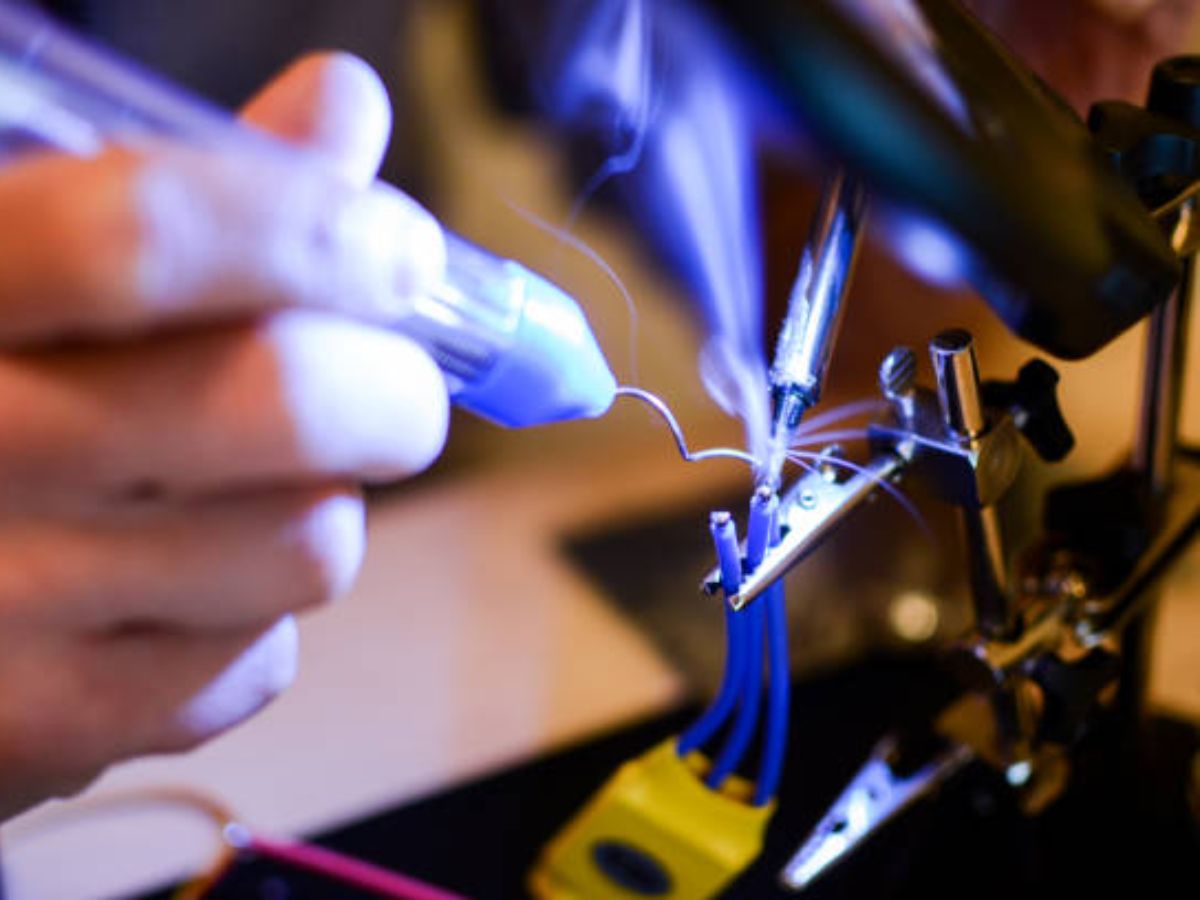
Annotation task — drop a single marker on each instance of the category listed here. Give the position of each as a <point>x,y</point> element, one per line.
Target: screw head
<point>898,373</point>
<point>827,462</point>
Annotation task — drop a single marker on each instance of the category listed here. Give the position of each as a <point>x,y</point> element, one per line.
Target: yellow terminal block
<point>654,830</point>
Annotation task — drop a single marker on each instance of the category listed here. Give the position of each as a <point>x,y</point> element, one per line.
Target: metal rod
<point>1154,453</point>
<point>988,571</point>
<point>957,372</point>
<point>1162,387</point>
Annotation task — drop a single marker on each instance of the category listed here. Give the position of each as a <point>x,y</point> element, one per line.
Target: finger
<point>141,692</point>
<point>332,104</point>
<point>221,564</point>
<point>300,397</point>
<point>215,684</point>
<point>124,243</point>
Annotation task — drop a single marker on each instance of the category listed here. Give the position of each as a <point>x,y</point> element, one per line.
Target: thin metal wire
<point>577,244</point>
<point>660,406</point>
<point>828,437</point>
<point>800,457</point>
<point>840,413</point>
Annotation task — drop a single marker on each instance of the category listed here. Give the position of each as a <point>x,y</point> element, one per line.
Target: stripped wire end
<point>790,407</point>
<point>764,508</point>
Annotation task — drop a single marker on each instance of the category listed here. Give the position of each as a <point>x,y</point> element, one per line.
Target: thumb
<point>334,105</point>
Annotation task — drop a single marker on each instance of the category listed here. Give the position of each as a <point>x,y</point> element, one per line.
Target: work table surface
<point>469,642</point>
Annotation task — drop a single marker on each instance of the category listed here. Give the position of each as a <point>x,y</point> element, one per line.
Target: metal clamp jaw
<point>949,441</point>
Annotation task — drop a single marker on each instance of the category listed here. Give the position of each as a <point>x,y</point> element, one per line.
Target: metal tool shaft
<point>814,315</point>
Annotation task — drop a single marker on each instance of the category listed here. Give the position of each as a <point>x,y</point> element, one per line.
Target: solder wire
<point>659,405</point>
<point>577,244</point>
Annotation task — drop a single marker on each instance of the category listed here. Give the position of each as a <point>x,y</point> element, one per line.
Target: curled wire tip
<point>660,406</point>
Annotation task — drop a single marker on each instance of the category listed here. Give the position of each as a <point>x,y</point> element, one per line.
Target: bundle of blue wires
<point>764,622</point>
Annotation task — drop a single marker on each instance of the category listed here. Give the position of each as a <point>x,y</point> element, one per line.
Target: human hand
<point>191,390</point>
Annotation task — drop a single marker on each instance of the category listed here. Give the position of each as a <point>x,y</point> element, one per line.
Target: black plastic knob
<point>1175,90</point>
<point>1033,401</point>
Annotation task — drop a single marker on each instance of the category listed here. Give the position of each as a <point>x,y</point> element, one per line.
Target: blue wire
<point>731,686</point>
<point>729,561</point>
<point>763,530</point>
<point>746,722</point>
<point>779,679</point>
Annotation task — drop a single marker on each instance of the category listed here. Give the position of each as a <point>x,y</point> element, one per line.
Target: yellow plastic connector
<point>654,830</point>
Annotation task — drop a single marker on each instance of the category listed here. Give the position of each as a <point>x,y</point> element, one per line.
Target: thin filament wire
<point>840,413</point>
<point>800,457</point>
<point>660,406</point>
<point>829,437</point>
<point>578,245</point>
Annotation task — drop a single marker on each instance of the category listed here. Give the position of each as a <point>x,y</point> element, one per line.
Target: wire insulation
<point>724,534</point>
<point>746,722</point>
<point>345,870</point>
<point>715,716</point>
<point>764,507</point>
<point>779,677</point>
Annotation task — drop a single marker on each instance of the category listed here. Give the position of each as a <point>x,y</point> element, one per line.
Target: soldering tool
<point>814,315</point>
<point>514,347</point>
